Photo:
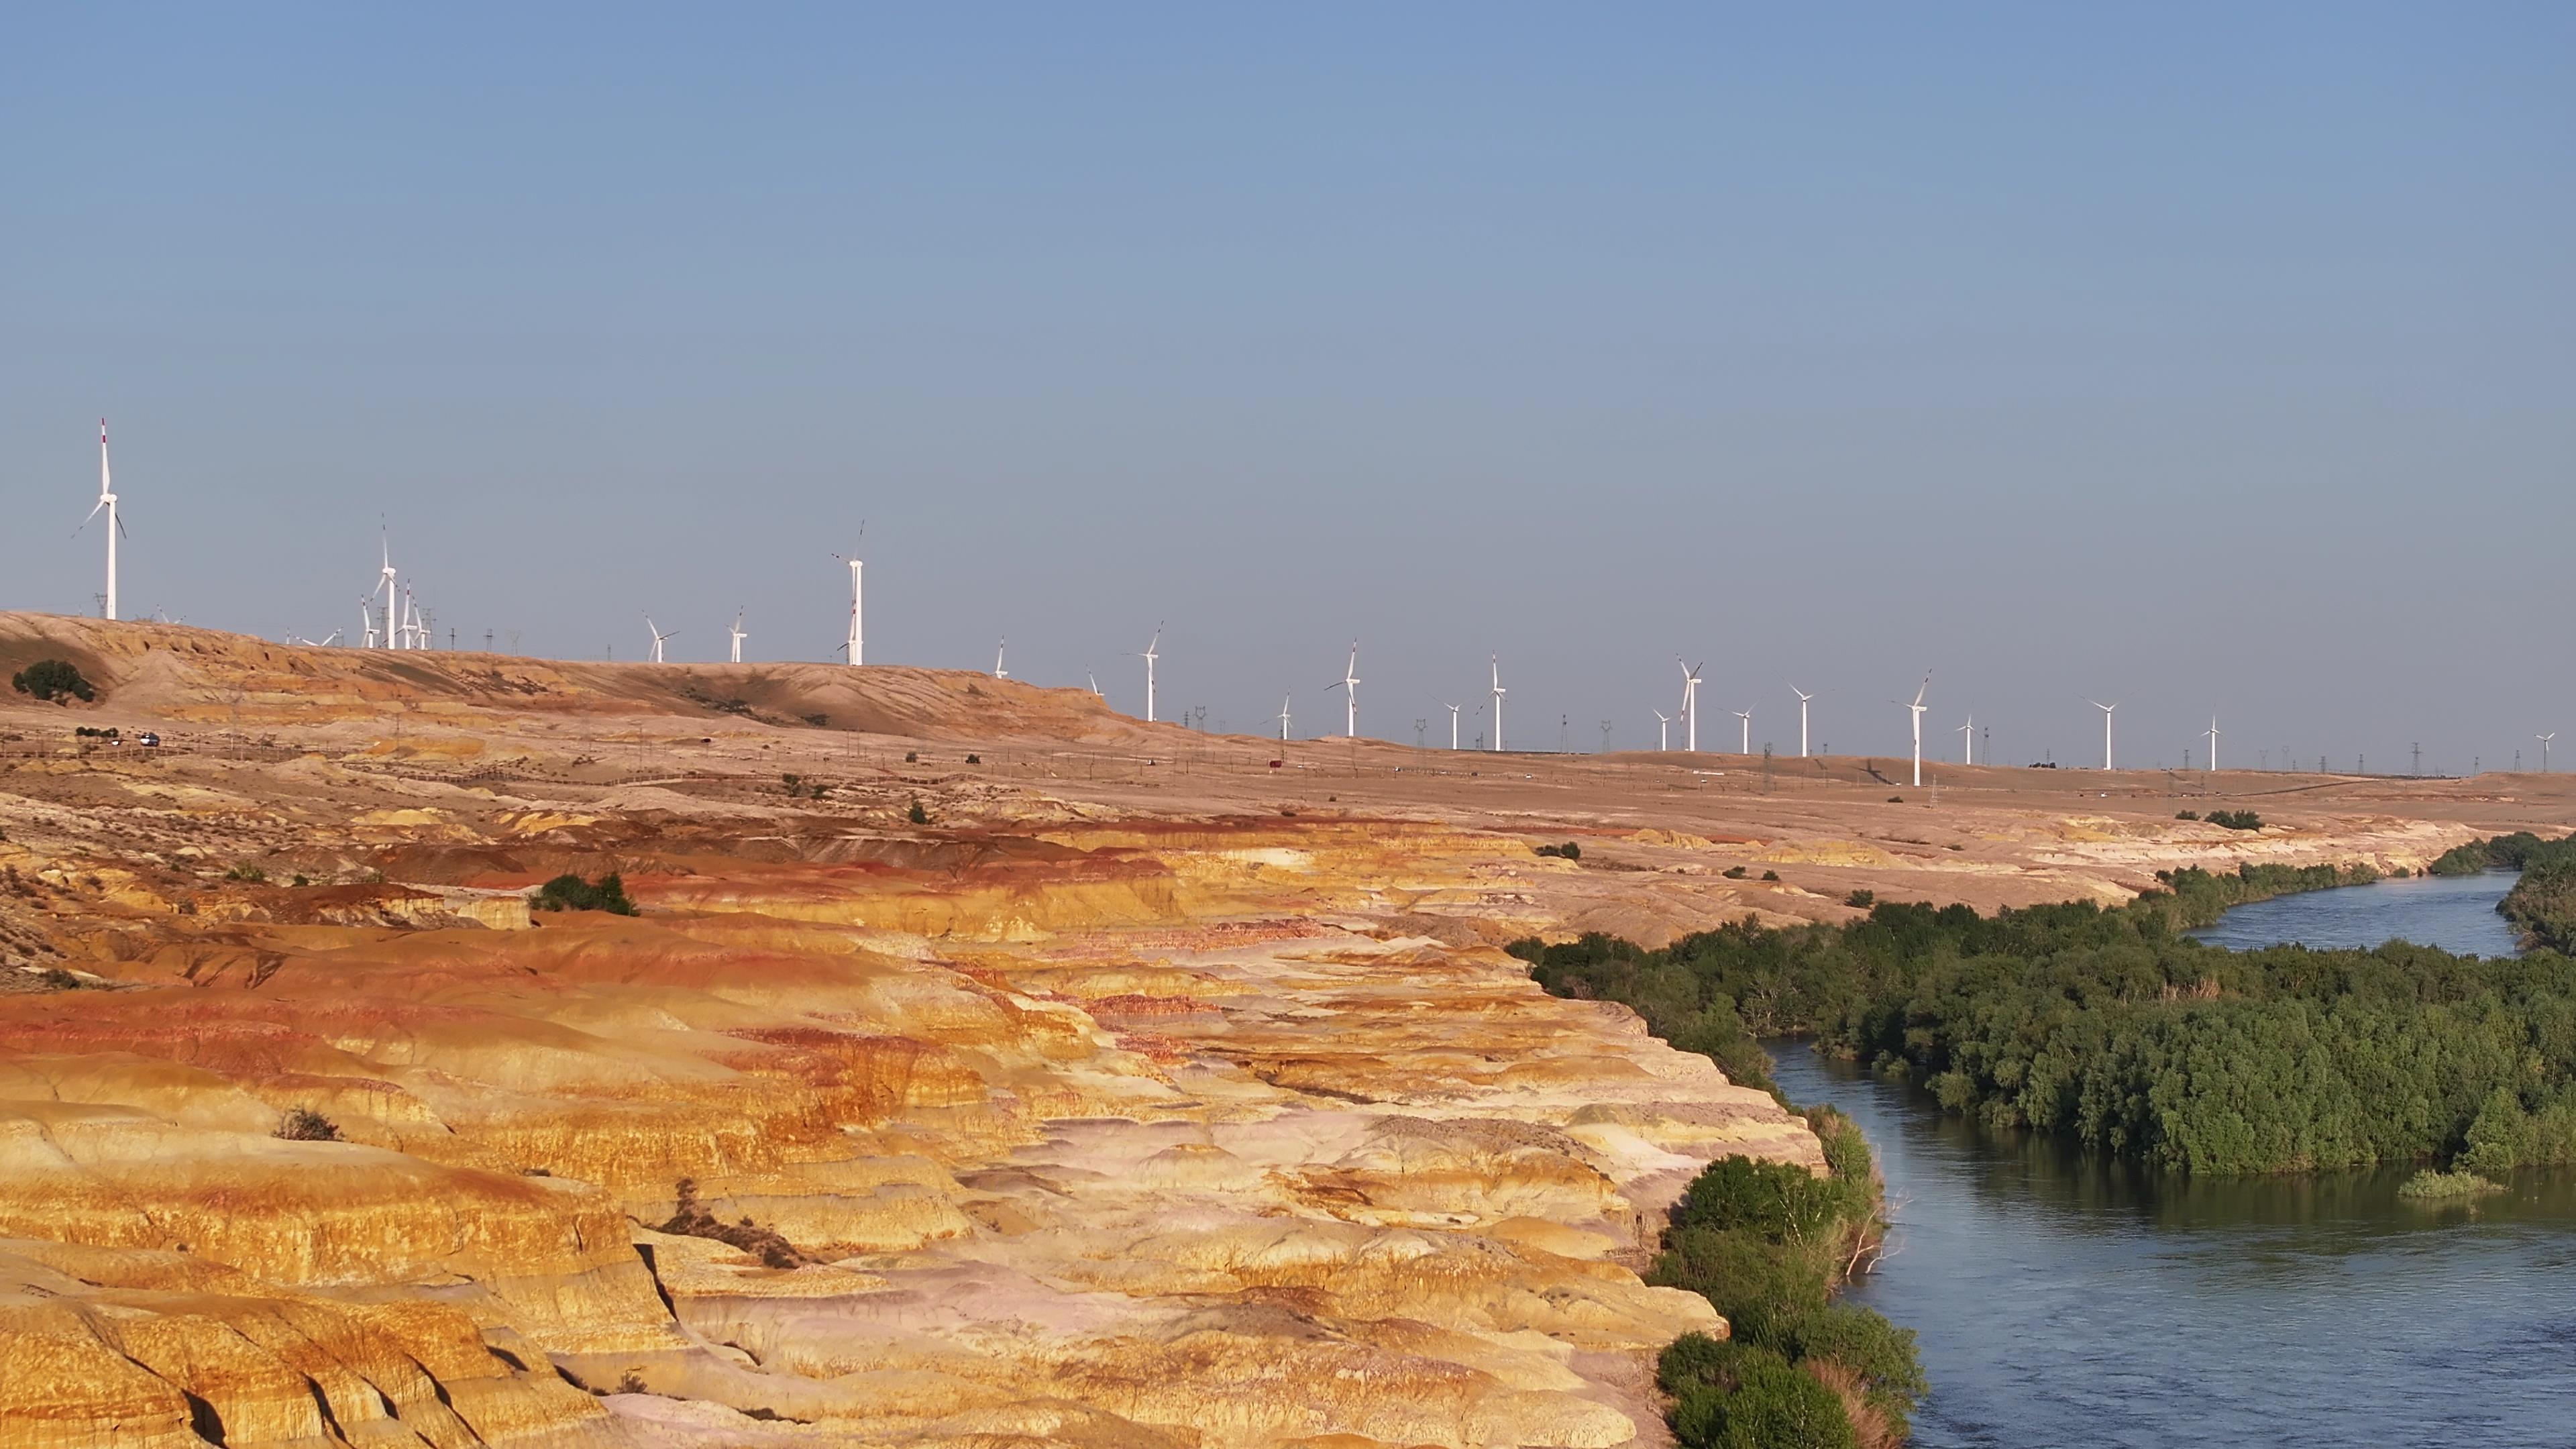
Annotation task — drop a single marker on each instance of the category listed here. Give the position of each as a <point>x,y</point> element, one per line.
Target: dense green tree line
<point>2110,1028</point>
<point>2542,905</point>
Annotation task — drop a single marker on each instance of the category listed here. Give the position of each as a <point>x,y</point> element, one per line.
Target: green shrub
<point>572,893</point>
<point>2186,815</point>
<point>250,873</point>
<point>2431,1184</point>
<point>1870,1346</point>
<point>1568,851</point>
<point>1780,1202</point>
<point>2236,819</point>
<point>917,815</point>
<point>1760,1401</point>
<point>1861,899</point>
<point>1764,1290</point>
<point>1735,872</point>
<point>52,679</point>
<point>1770,875</point>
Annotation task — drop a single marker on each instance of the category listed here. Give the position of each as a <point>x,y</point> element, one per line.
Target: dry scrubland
<point>1146,1095</point>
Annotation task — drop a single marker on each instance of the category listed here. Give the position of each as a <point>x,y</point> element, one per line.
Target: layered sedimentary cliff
<point>1140,1097</point>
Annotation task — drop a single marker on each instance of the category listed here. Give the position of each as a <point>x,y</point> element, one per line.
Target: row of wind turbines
<point>390,616</point>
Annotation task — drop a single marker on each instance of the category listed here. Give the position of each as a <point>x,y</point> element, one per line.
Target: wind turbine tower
<point>1350,687</point>
<point>2106,728</point>
<point>1690,705</point>
<point>1453,721</point>
<point>1917,708</point>
<point>2544,749</point>
<point>1149,656</point>
<point>737,635</point>
<point>855,649</point>
<point>1283,717</point>
<point>1663,730</point>
<point>1803,697</point>
<point>386,586</point>
<point>658,637</point>
<point>998,671</point>
<point>1968,741</point>
<point>1745,716</point>
<point>106,504</point>
<point>1498,704</point>
<point>2213,744</point>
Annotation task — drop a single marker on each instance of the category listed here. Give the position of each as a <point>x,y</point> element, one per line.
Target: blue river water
<point>2067,1301</point>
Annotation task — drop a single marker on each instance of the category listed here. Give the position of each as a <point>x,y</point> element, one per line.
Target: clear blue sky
<point>2202,357</point>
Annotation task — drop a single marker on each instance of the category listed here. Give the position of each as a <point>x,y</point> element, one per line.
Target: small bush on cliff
<point>690,1218</point>
<point>1568,851</point>
<point>1861,900</point>
<point>572,893</point>
<point>2236,819</point>
<point>303,1124</point>
<point>52,679</point>
<point>917,815</point>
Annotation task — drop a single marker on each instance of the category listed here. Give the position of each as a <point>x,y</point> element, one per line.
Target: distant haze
<point>2197,358</point>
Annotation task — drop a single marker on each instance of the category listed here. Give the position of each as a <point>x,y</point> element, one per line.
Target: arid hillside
<point>978,1067</point>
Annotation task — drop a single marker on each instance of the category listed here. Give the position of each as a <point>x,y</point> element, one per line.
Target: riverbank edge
<point>1772,1386</point>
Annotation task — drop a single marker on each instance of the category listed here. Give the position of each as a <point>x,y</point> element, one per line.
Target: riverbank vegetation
<point>2542,905</point>
<point>2109,1028</point>
<point>1769,1244</point>
<point>2437,1186</point>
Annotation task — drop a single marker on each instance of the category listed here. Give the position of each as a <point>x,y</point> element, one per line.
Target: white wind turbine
<point>1746,717</point>
<point>1917,708</point>
<point>1149,656</point>
<point>855,647</point>
<point>1350,687</point>
<point>1968,741</point>
<point>1453,720</point>
<point>385,585</point>
<point>1690,705</point>
<point>1803,697</point>
<point>1283,716</point>
<point>998,671</point>
<point>2106,727</point>
<point>106,504</point>
<point>1095,684</point>
<point>367,620</point>
<point>1663,730</point>
<point>1498,706</point>
<point>658,637</point>
<point>2213,742</point>
<point>2544,749</point>
<point>737,636</point>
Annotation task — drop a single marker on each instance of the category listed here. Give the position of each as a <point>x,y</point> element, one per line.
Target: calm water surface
<point>2456,913</point>
<point>2065,1302</point>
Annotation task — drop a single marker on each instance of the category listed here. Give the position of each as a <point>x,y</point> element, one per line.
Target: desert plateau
<point>979,1067</point>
